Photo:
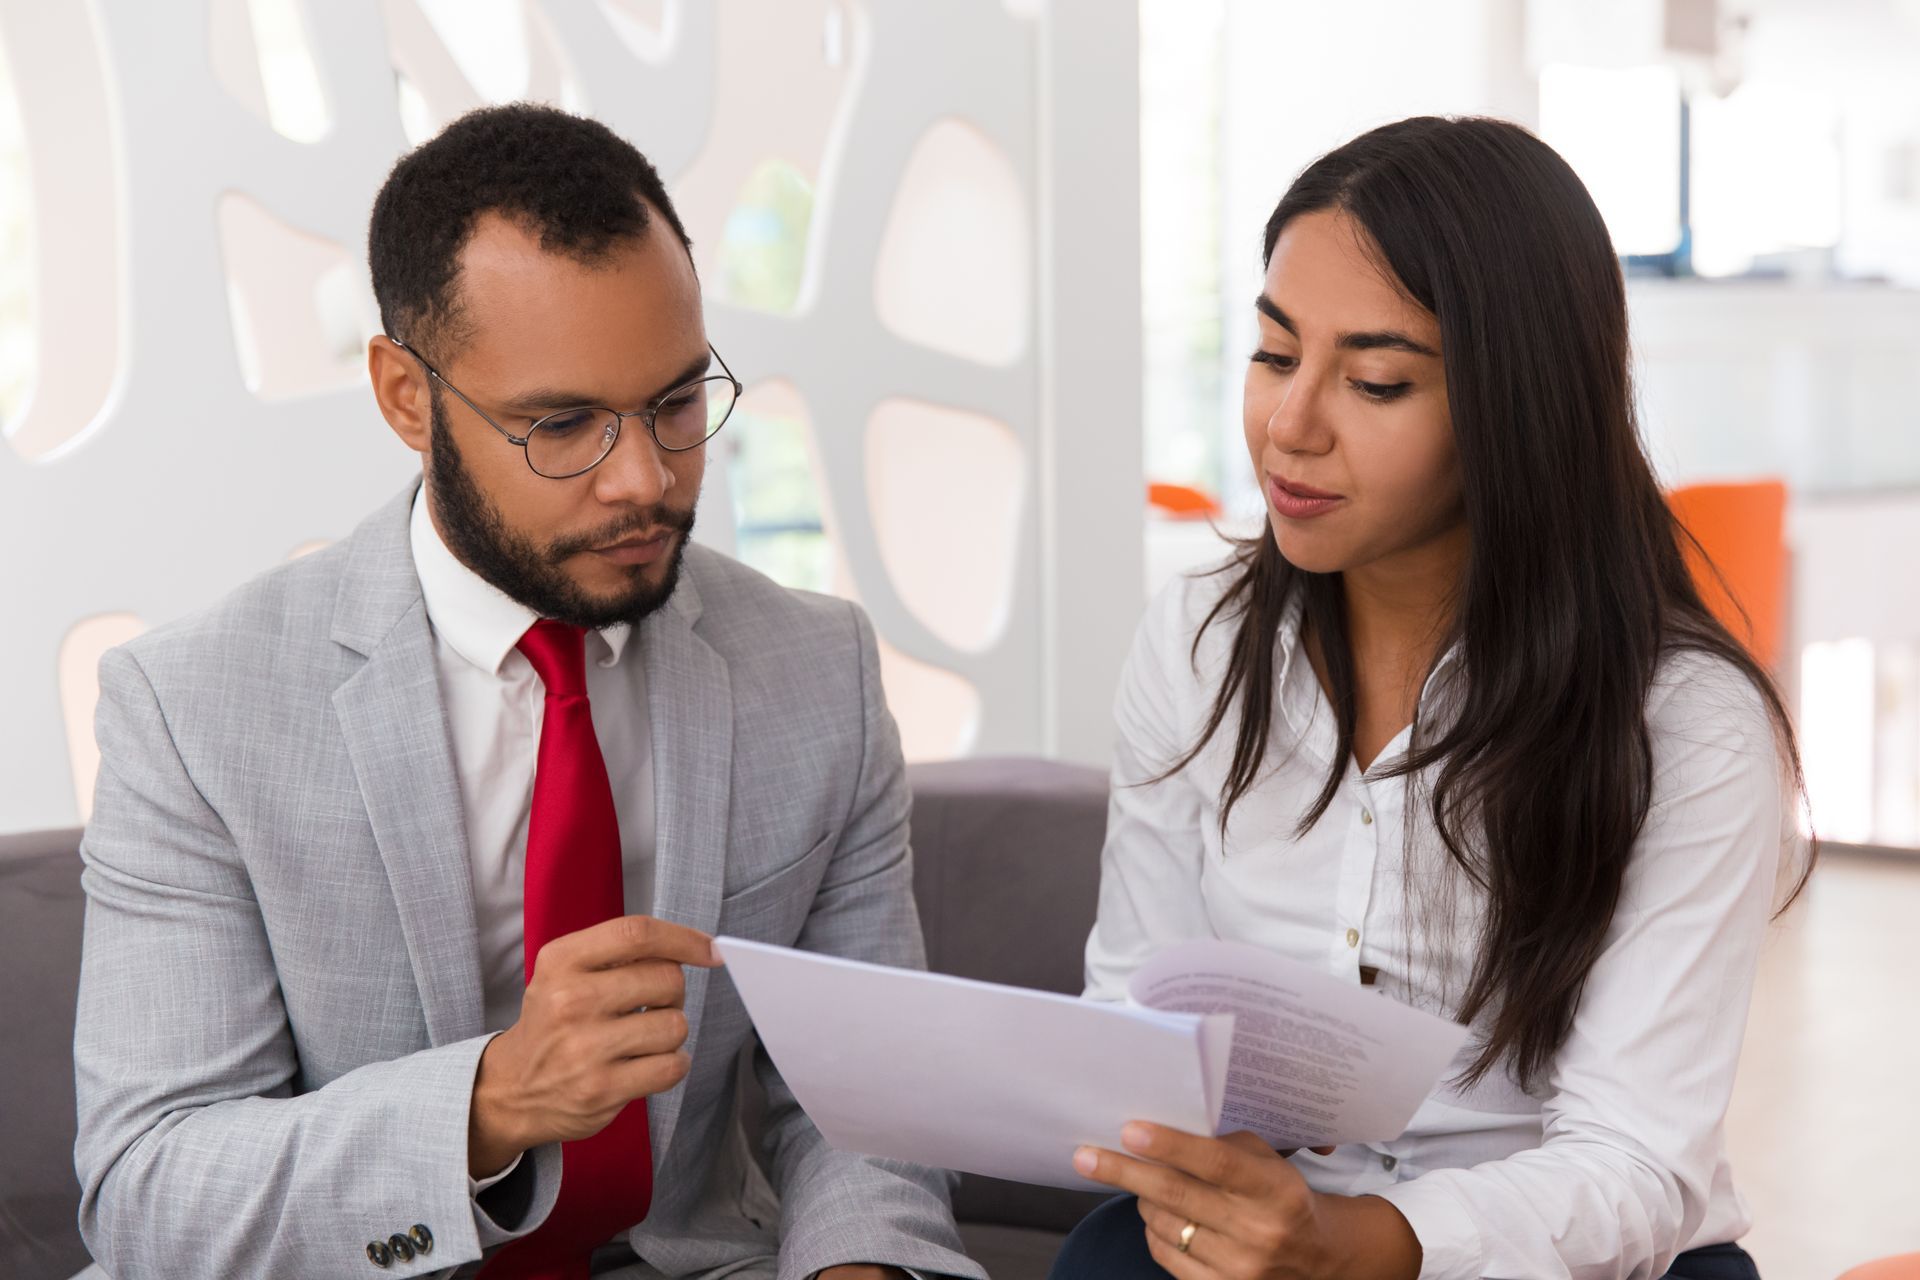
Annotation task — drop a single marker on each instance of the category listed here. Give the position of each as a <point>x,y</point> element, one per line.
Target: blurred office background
<point>986,267</point>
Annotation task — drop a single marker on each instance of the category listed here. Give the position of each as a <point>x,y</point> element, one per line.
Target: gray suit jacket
<point>280,1000</point>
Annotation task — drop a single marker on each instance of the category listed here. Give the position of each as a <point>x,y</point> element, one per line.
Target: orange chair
<point>1742,528</point>
<point>1904,1267</point>
<point>1180,502</point>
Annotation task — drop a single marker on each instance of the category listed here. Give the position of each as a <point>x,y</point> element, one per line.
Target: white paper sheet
<point>966,1075</point>
<point>1002,1081</point>
<point>1316,1061</point>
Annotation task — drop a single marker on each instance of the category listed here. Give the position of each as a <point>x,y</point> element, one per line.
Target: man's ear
<point>400,389</point>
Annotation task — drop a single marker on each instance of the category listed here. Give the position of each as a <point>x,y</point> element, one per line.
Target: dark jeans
<point>1111,1244</point>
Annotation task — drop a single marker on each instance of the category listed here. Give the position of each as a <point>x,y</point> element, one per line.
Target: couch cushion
<point>41,910</point>
<point>1007,867</point>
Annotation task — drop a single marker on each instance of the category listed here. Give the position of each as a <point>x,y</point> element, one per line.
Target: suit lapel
<point>690,706</point>
<point>394,724</point>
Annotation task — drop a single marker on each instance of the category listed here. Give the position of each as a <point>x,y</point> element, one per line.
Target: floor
<point>1825,1125</point>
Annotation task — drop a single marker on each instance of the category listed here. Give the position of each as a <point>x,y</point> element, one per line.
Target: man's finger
<point>625,939</point>
<point>640,1035</point>
<point>644,984</point>
<point>644,1077</point>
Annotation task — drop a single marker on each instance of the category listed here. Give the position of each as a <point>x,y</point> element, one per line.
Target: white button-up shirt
<point>495,707</point>
<point>1615,1163</point>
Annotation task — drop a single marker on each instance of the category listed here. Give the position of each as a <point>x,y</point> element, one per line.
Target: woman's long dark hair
<point>1575,586</point>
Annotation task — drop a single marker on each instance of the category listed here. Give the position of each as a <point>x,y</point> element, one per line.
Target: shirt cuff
<point>1450,1247</point>
<point>476,1185</point>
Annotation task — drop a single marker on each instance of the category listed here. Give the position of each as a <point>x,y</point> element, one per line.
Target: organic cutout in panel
<point>433,86</point>
<point>774,470</point>
<point>79,661</point>
<point>641,25</point>
<point>785,529</point>
<point>488,41</point>
<point>955,265</point>
<point>262,57</point>
<point>782,82</point>
<point>417,120</point>
<point>551,77</point>
<point>938,711</point>
<point>301,314</point>
<point>946,489</point>
<point>763,248</point>
<point>19,339</point>
<point>61,207</point>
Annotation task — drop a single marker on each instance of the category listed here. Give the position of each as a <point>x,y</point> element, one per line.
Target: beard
<point>533,576</point>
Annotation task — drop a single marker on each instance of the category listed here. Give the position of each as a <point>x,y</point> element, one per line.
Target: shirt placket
<point>1386,794</point>
<point>1359,851</point>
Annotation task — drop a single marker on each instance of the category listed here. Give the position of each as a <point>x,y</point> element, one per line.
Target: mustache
<point>676,519</point>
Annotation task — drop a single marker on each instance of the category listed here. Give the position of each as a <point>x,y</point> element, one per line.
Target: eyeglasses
<point>571,442</point>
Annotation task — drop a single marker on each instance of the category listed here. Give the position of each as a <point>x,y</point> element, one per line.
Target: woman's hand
<point>1253,1216</point>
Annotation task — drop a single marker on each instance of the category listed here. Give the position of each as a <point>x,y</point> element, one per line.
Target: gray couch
<point>1007,868</point>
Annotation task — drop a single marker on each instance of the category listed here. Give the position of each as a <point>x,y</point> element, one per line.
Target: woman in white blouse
<point>1461,729</point>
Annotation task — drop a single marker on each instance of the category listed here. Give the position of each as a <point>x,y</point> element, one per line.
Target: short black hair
<point>577,183</point>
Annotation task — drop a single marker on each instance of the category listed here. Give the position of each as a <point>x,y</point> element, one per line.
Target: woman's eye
<point>1275,360</point>
<point>1381,391</point>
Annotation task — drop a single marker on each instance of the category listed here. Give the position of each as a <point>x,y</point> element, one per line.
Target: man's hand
<point>601,1025</point>
<point>1233,1208</point>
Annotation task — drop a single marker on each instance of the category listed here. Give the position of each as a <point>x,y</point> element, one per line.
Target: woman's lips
<point>1296,501</point>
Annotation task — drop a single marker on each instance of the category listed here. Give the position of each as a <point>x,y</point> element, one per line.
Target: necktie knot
<point>558,652</point>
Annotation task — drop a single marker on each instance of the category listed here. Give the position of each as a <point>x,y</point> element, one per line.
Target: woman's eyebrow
<point>1385,340</point>
<point>1370,340</point>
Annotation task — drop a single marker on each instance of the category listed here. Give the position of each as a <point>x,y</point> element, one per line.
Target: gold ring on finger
<point>1186,1235</point>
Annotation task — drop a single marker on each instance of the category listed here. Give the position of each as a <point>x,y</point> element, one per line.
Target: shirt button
<point>1366,817</point>
<point>1388,1163</point>
<point>1353,937</point>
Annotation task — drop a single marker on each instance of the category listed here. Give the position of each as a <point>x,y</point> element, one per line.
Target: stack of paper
<point>1002,1081</point>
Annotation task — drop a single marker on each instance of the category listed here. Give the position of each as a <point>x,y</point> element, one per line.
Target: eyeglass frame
<point>645,414</point>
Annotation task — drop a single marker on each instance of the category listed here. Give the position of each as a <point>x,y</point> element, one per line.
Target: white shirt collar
<point>1300,696</point>
<point>478,621</point>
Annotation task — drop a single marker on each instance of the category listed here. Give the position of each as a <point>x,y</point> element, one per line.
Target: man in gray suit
<point>406,858</point>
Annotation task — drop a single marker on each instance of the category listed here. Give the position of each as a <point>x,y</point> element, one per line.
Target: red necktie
<point>573,881</point>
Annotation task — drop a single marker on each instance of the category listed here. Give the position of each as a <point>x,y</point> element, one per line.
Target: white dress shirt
<point>495,706</point>
<point>1615,1162</point>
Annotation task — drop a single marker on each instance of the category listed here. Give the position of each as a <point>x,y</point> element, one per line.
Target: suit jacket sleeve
<point>837,1207</point>
<point>195,1154</point>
